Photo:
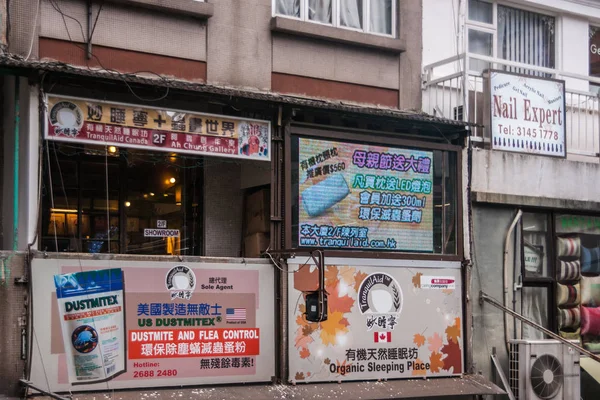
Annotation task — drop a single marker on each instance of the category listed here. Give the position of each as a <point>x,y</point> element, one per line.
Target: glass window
<point>99,201</point>
<point>535,306</point>
<point>525,37</point>
<point>480,43</point>
<point>481,11</point>
<point>289,8</point>
<point>535,245</point>
<point>373,16</point>
<point>320,10</point>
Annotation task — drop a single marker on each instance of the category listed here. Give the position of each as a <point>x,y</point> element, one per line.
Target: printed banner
<point>185,324</point>
<point>386,320</point>
<point>94,122</point>
<point>357,196</point>
<point>527,114</point>
<point>90,305</point>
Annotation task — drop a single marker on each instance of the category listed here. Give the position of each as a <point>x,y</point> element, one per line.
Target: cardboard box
<point>258,212</point>
<point>255,244</point>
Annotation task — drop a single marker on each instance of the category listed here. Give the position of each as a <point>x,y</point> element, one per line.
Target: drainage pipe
<point>505,261</point>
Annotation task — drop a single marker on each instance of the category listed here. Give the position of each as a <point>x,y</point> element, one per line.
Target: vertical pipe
<point>89,32</point>
<point>16,165</point>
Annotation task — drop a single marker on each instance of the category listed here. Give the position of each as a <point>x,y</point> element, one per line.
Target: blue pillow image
<point>590,260</point>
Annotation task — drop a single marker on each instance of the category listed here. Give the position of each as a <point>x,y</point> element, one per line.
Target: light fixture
<point>172,180</point>
<point>151,194</point>
<point>177,204</point>
<point>127,204</point>
<point>63,210</point>
<point>112,149</point>
<point>166,194</point>
<point>145,195</point>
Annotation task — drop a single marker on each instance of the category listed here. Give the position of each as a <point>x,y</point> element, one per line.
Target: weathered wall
<point>12,297</point>
<point>239,44</point>
<point>545,178</point>
<point>490,227</point>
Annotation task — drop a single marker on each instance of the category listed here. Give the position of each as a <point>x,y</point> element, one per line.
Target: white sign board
<point>527,114</point>
<point>149,232</point>
<point>186,323</point>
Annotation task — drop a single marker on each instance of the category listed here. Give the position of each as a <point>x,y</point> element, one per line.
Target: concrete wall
<point>13,298</point>
<point>237,44</point>
<point>506,173</point>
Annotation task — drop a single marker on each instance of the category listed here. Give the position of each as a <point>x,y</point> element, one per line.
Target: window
<point>521,36</point>
<point>561,275</point>
<point>371,16</point>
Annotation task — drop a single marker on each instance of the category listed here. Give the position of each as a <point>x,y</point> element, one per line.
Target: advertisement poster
<point>386,320</point>
<point>186,323</point>
<point>90,305</point>
<point>357,196</point>
<point>527,114</point>
<point>89,121</point>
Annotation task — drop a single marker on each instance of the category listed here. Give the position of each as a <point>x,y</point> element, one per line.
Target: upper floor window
<point>371,16</point>
<point>511,34</point>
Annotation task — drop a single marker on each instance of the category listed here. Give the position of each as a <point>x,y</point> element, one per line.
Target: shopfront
<point>212,220</point>
<point>386,214</point>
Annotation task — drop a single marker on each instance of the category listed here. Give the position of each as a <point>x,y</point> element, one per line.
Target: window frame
<point>335,17</point>
<point>548,282</point>
<point>482,26</point>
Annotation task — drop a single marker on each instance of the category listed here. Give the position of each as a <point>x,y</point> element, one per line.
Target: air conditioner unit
<point>543,369</point>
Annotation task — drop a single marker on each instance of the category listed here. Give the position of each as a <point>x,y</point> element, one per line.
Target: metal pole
<point>484,297</point>
<point>16,164</point>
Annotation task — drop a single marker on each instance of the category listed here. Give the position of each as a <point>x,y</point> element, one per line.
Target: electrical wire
<point>35,25</point>
<point>282,269</point>
<point>119,74</point>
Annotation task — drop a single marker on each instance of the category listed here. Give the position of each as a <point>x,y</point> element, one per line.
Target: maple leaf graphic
<point>416,280</point>
<point>301,339</point>
<point>435,342</point>
<point>358,279</point>
<point>331,275</point>
<point>326,361</point>
<point>453,357</point>
<point>347,275</point>
<point>306,281</point>
<point>453,331</point>
<point>419,372</point>
<point>332,327</point>
<point>435,362</point>
<point>419,339</point>
<point>304,352</point>
<point>299,376</point>
<point>339,303</point>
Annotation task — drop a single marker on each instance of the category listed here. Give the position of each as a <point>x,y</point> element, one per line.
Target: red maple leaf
<point>453,357</point>
<point>306,281</point>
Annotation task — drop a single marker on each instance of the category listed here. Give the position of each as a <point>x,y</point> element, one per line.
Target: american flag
<point>235,314</point>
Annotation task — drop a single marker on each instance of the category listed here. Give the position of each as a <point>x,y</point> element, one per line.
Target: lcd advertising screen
<point>364,197</point>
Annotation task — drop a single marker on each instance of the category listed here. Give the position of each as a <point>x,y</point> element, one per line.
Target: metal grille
<point>513,369</point>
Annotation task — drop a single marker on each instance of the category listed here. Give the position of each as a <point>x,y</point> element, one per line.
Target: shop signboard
<point>387,319</point>
<point>527,114</point>
<point>365,197</point>
<point>186,323</point>
<point>96,122</point>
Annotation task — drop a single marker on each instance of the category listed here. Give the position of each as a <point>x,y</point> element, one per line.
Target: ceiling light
<point>127,204</point>
<point>112,149</point>
<point>172,180</point>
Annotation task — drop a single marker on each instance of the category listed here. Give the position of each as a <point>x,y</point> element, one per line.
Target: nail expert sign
<point>358,196</point>
<point>527,114</point>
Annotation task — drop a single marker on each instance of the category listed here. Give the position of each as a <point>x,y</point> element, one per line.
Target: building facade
<point>253,183</point>
<point>531,176</point>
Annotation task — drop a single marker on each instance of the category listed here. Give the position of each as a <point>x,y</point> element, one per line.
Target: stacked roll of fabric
<point>568,289</point>
<point>590,295</point>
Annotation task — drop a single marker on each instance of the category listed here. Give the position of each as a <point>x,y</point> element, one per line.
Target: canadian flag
<point>382,337</point>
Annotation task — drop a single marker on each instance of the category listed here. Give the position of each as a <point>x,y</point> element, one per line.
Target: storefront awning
<point>416,117</point>
<point>468,385</point>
